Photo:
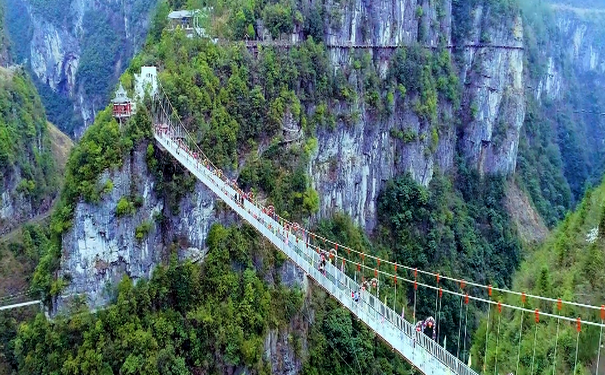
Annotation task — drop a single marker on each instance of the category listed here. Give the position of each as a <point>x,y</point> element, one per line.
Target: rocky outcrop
<point>577,46</point>
<point>57,39</point>
<point>103,246</point>
<point>15,208</point>
<point>383,22</point>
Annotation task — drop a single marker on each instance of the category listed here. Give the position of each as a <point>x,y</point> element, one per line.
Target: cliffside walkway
<point>253,44</point>
<point>417,348</point>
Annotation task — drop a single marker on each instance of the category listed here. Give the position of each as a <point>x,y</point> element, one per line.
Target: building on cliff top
<point>188,21</point>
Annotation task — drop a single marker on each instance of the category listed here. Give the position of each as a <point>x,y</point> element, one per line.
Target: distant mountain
<point>75,51</point>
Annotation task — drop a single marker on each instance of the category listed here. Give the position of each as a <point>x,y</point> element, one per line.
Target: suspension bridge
<point>341,271</point>
<point>321,257</point>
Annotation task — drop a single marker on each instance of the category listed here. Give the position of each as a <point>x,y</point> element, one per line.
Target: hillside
<point>29,180</point>
<point>568,265</point>
<point>33,153</point>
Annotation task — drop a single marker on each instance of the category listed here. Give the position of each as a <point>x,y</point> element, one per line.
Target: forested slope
<point>569,265</point>
<point>28,179</point>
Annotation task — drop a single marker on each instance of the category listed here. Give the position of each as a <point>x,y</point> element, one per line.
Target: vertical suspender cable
<point>489,307</point>
<point>579,328</point>
<point>600,337</point>
<point>436,298</point>
<point>554,362</point>
<point>520,334</point>
<point>395,299</point>
<point>465,324</point>
<point>460,321</point>
<point>533,358</point>
<point>439,314</point>
<point>459,328</point>
<point>498,338</point>
<point>415,292</point>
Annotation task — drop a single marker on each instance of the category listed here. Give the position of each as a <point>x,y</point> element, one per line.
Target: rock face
<point>15,208</point>
<point>578,41</point>
<point>494,95</point>
<point>382,22</point>
<point>103,246</point>
<point>55,40</point>
<point>354,161</point>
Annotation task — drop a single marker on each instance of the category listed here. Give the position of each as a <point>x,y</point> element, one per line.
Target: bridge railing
<point>395,330</point>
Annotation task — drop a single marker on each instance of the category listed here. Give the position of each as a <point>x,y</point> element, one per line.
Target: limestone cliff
<point>104,245</point>
<point>76,50</point>
<point>355,160</point>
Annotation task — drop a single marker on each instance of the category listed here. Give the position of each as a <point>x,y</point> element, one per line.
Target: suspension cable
<point>459,328</point>
<point>600,340</point>
<point>453,279</point>
<point>520,339</point>
<point>489,307</point>
<point>554,362</point>
<point>439,315</point>
<point>465,324</point>
<point>479,299</point>
<point>579,328</point>
<point>415,293</point>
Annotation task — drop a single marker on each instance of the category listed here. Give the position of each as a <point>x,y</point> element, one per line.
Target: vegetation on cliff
<point>25,149</point>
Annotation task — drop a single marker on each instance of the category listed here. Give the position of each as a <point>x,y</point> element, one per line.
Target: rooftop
<point>121,96</point>
<point>177,14</point>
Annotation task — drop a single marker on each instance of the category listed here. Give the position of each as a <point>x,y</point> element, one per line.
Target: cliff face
<point>76,50</point>
<point>103,245</point>
<point>354,161</point>
<point>565,49</point>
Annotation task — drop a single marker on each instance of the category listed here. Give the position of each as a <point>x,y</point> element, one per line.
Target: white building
<point>146,82</point>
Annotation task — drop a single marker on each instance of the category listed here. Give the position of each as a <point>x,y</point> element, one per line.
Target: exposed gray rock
<point>354,161</point>
<point>494,96</point>
<point>101,248</point>
<point>14,207</point>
